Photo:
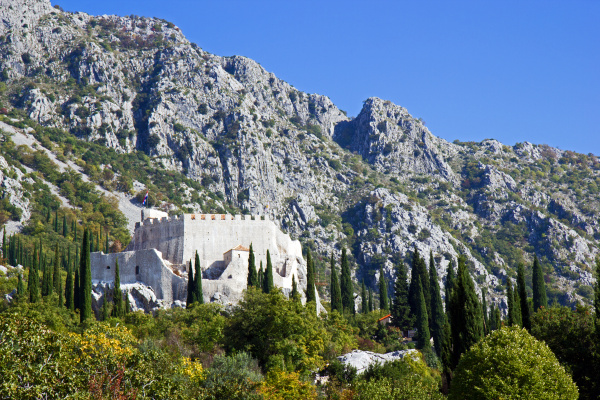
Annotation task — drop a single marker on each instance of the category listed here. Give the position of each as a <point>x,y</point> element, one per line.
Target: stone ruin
<point>154,266</point>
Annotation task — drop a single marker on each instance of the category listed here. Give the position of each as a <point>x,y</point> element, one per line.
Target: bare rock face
<point>361,360</point>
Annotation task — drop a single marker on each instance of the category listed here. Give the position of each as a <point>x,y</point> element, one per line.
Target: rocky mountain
<point>121,104</point>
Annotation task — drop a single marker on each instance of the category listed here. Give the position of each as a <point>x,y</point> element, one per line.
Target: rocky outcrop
<point>361,360</point>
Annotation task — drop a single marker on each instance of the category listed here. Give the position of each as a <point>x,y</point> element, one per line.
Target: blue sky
<point>509,70</point>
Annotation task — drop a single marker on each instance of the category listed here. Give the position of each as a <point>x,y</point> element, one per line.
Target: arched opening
<point>137,269</point>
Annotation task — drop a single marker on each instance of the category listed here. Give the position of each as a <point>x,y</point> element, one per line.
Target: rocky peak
<point>388,137</point>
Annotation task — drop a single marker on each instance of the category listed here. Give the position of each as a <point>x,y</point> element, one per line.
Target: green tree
<point>252,275</point>
<point>364,299</point>
<point>268,278</point>
<point>34,278</point>
<point>56,278</point>
<point>336,293</point>
<point>65,229</point>
<point>539,286</point>
<point>438,317</point>
<point>20,286</point>
<point>190,286</point>
<point>106,248</point>
<point>261,275</point>
<point>511,364</point>
<point>510,300</point>
<point>346,285</point>
<point>85,276</point>
<point>371,307</point>
<point>311,295</point>
<point>198,292</point>
<point>105,312</point>
<point>77,284</point>
<point>295,293</point>
<point>484,313</point>
<point>422,321</point>
<point>46,279</point>
<point>449,285</point>
<point>118,309</point>
<point>465,310</point>
<point>383,292</point>
<point>524,303</point>
<point>418,274</point>
<point>401,314</point>
<point>69,298</point>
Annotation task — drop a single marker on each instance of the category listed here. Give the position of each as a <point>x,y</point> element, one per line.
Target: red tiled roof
<point>387,316</point>
<point>239,247</point>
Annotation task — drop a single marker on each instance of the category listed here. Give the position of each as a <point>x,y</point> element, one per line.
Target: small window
<point>108,267</point>
<point>137,269</point>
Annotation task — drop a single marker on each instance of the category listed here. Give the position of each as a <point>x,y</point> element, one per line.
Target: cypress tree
<point>127,305</point>
<point>90,240</point>
<point>401,314</point>
<point>370,300</point>
<point>268,278</point>
<point>34,278</point>
<point>295,294</point>
<point>597,300</point>
<point>70,301</point>
<point>252,276</point>
<point>346,285</point>
<point>47,286</point>
<point>491,319</point>
<point>85,275</point>
<point>497,318</point>
<point>446,352</point>
<point>336,292</point>
<point>449,285</point>
<point>56,221</point>
<point>56,276</point>
<point>422,321</point>
<point>261,276</point>
<point>48,215</point>
<point>75,232</point>
<point>510,302</point>
<point>190,287</point>
<point>311,294</point>
<point>4,244</point>
<point>77,283</point>
<point>117,310</point>
<point>105,314</point>
<point>484,312</point>
<point>198,292</point>
<point>20,286</point>
<point>106,249</point>
<point>64,227</point>
<point>383,292</point>
<point>467,321</point>
<point>539,286</point>
<point>365,299</point>
<point>517,304</point>
<point>418,274</point>
<point>438,318</point>
<point>98,241</point>
<point>525,315</point>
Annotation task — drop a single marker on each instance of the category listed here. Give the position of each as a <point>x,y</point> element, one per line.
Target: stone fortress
<point>154,266</point>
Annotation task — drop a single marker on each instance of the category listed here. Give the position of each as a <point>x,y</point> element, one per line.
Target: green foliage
<point>233,377</point>
<point>401,313</point>
<point>311,295</point>
<point>511,364</point>
<point>336,294</point>
<point>252,276</point>
<point>268,278</point>
<point>422,321</point>
<point>85,276</point>
<point>383,292</point>
<point>524,304</point>
<point>197,295</point>
<point>346,285</point>
<point>118,304</point>
<point>283,334</point>
<point>539,286</point>
<point>571,336</point>
<point>438,318</point>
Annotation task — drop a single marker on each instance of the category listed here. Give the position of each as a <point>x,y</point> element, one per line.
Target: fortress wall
<point>165,235</point>
<point>213,237</point>
<point>152,271</point>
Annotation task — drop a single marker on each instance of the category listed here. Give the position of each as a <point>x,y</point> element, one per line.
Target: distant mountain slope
<point>130,99</point>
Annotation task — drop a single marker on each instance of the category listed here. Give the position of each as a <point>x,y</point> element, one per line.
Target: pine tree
<point>336,292</point>
<point>438,318</point>
<point>198,293</point>
<point>422,321</point>
<point>365,299</point>
<point>346,285</point>
<point>117,310</point>
<point>56,272</point>
<point>295,294</point>
<point>539,286</point>
<point>190,287</point>
<point>371,307</point>
<point>261,276</point>
<point>69,299</point>
<point>311,294</point>
<point>467,321</point>
<point>525,315</point>
<point>34,278</point>
<point>85,275</point>
<point>401,314</point>
<point>252,276</point>
<point>64,227</point>
<point>510,301</point>
<point>383,292</point>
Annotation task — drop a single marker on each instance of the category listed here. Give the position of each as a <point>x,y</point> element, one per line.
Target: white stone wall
<point>146,266</point>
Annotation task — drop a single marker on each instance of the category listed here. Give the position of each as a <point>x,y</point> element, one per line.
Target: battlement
<point>201,217</point>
